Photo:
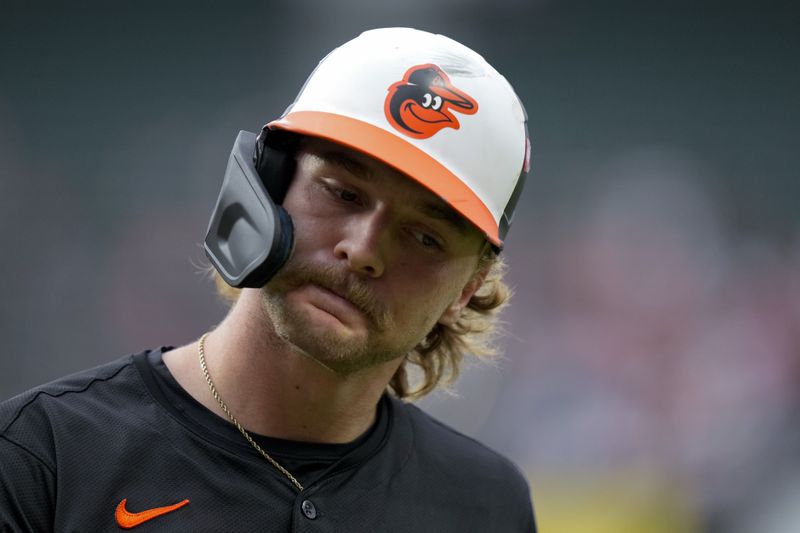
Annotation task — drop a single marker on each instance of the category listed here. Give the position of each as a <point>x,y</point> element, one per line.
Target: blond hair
<point>436,360</point>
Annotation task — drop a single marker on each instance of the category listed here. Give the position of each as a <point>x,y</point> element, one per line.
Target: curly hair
<point>436,360</point>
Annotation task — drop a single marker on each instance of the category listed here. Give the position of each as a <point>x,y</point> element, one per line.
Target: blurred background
<point>651,378</point>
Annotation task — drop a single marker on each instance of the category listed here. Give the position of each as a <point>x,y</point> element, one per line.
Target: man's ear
<point>453,311</point>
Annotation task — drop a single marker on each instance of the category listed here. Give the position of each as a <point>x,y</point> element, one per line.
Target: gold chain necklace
<point>201,352</point>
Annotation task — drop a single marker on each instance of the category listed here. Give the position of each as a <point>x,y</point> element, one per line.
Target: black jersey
<point>124,444</point>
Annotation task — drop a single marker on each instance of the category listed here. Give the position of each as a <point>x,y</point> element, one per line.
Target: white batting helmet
<point>429,107</point>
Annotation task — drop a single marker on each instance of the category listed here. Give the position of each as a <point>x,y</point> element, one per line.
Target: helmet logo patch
<point>422,103</point>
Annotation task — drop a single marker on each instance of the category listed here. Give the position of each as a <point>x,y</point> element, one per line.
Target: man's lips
<point>329,289</point>
<point>332,302</point>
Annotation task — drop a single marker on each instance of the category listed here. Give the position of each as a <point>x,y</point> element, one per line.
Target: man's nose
<point>363,243</point>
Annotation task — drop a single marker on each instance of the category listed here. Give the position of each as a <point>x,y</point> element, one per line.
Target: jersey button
<point>308,509</point>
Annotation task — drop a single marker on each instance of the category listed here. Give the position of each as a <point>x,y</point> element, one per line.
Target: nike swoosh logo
<point>127,520</point>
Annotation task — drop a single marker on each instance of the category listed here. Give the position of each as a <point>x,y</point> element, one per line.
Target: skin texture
<point>378,261</point>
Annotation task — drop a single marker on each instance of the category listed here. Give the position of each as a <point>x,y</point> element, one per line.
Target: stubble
<point>343,354</point>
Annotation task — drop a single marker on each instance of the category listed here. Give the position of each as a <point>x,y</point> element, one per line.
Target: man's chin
<point>321,336</point>
<point>342,354</point>
<point>327,341</point>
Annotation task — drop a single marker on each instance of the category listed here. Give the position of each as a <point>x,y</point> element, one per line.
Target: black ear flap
<point>250,237</point>
<point>274,160</point>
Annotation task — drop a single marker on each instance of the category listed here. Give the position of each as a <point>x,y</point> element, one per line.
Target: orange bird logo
<point>422,103</point>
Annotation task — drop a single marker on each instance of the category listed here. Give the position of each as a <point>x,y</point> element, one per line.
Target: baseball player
<point>357,237</point>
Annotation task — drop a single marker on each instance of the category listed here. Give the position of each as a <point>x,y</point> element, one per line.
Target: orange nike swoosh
<point>127,520</point>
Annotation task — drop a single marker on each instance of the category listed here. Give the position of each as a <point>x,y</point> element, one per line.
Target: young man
<point>395,174</point>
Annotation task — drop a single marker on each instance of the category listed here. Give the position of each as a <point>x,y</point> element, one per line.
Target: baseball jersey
<point>124,446</point>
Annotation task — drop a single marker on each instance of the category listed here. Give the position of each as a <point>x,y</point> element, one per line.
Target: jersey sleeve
<point>27,490</point>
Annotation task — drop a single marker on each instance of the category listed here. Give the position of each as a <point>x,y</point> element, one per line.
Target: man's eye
<point>426,240</point>
<point>347,196</point>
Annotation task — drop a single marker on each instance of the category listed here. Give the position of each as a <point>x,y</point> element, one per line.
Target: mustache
<point>341,282</point>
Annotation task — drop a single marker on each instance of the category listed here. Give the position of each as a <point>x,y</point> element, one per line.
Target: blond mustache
<point>335,280</point>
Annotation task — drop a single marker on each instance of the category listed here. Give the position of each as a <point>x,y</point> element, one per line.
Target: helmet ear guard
<point>273,159</point>
<point>250,237</point>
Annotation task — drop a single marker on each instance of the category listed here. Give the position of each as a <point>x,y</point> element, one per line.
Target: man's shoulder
<point>85,393</point>
<point>456,452</point>
<point>486,490</point>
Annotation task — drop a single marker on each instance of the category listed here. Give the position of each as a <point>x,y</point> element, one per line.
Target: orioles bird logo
<point>422,103</point>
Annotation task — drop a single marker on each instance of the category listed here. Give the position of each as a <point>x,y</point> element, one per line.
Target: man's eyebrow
<point>445,213</point>
<point>346,162</point>
<point>438,211</point>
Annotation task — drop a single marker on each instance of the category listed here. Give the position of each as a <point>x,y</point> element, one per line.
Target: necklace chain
<point>201,352</point>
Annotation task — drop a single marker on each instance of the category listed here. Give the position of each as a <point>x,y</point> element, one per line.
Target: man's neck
<point>274,390</point>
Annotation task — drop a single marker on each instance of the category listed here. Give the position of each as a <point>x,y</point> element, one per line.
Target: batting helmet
<point>422,103</point>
